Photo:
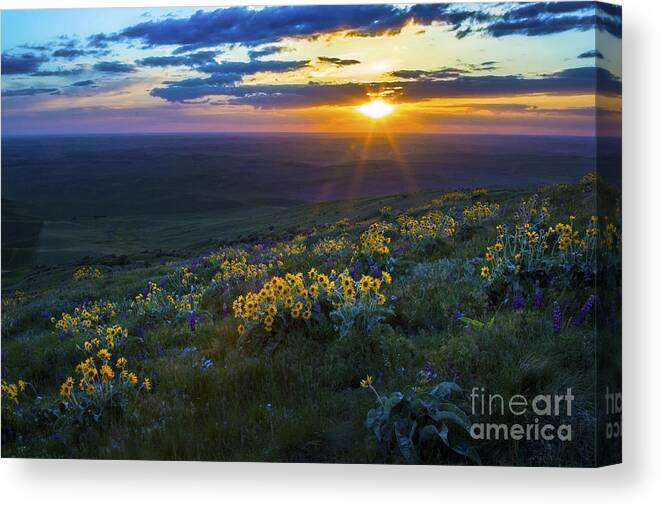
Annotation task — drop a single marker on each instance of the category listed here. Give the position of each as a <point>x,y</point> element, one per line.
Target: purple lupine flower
<point>458,314</point>
<point>538,297</point>
<point>403,249</point>
<point>518,301</point>
<point>45,315</point>
<point>224,308</point>
<point>356,269</point>
<point>557,318</point>
<point>193,319</point>
<point>584,311</point>
<point>375,270</point>
<point>428,368</point>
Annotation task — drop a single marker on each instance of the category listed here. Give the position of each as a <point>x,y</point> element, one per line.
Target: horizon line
<point>295,132</point>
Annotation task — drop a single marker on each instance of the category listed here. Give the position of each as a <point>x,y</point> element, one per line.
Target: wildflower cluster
<point>11,391</point>
<point>341,224</point>
<point>187,277</point>
<point>294,296</point>
<point>106,337</point>
<point>286,249</point>
<point>238,270</point>
<point>148,302</point>
<point>156,302</point>
<point>374,241</point>
<point>84,318</point>
<point>529,247</point>
<point>330,246</point>
<point>430,226</point>
<point>86,273</point>
<point>18,298</point>
<point>611,236</point>
<point>98,375</point>
<point>460,196</point>
<point>479,212</point>
<point>280,297</point>
<point>534,211</point>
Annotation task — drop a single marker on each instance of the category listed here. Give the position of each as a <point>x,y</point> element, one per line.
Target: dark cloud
<point>593,53</point>
<point>37,47</point>
<point>581,80</point>
<point>264,96</point>
<point>444,72</point>
<point>253,66</point>
<point>25,92</point>
<point>87,82</point>
<point>537,9</point>
<point>59,72</point>
<point>250,27</point>
<point>460,34</point>
<point>69,53</point>
<point>114,67</point>
<point>265,51</point>
<point>226,74</point>
<point>544,18</point>
<point>190,60</point>
<point>24,63</point>
<point>496,108</point>
<point>203,61</point>
<point>337,61</point>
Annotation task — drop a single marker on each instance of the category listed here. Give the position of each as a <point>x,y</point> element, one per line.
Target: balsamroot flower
<point>557,318</point>
<point>584,311</point>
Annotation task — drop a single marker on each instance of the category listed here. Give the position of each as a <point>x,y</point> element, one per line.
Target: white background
<point>636,482</point>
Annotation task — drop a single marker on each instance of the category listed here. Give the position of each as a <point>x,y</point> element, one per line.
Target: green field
<point>290,389</point>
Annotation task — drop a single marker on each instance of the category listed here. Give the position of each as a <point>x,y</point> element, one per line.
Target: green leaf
<point>471,322</point>
<point>446,390</point>
<point>406,448</point>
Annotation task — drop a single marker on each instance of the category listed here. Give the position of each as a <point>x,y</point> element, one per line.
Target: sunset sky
<point>478,68</point>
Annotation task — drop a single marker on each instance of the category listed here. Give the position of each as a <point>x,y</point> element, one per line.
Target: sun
<point>376,109</point>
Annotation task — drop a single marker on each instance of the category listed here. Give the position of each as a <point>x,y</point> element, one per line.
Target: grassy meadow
<point>344,331</point>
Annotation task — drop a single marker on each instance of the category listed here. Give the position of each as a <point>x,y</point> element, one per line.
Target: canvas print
<point>384,234</point>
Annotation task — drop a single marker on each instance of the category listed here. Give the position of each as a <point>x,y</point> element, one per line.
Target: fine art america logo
<point>541,408</point>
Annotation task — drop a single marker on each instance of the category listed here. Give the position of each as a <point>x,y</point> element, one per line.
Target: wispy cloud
<point>337,61</point>
<point>114,67</point>
<point>86,82</point>
<point>22,92</point>
<point>593,53</point>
